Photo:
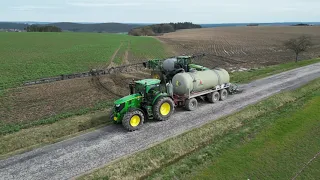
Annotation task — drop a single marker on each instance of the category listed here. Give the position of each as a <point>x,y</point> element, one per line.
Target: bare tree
<point>298,45</point>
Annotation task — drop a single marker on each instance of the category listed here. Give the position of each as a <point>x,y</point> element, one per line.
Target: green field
<point>290,139</point>
<point>273,139</point>
<point>28,56</point>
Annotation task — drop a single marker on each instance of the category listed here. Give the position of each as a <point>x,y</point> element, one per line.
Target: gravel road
<point>75,156</point>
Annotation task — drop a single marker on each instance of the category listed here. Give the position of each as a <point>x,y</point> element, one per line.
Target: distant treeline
<point>159,29</point>
<point>302,24</point>
<point>36,28</point>
<point>253,24</point>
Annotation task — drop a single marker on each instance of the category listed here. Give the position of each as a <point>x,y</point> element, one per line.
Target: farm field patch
<point>234,47</point>
<point>28,56</point>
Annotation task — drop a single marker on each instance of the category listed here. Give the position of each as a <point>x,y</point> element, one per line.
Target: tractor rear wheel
<point>223,94</point>
<point>213,97</point>
<point>191,104</point>
<point>163,109</point>
<point>133,120</point>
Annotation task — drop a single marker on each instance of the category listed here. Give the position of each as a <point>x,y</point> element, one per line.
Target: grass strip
<point>247,76</point>
<point>16,127</point>
<point>273,146</point>
<point>276,152</point>
<point>27,139</point>
<point>149,161</point>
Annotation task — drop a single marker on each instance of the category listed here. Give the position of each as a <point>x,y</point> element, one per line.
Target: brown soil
<point>40,101</point>
<point>241,46</point>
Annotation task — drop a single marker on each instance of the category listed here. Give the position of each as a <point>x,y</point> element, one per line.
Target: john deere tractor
<point>148,99</point>
<point>167,68</point>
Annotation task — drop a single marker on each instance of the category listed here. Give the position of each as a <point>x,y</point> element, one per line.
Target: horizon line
<point>159,22</point>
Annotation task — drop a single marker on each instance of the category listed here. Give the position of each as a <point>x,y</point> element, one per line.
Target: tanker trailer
<point>213,85</point>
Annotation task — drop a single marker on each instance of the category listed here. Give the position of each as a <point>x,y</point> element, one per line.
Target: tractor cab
<point>184,61</point>
<point>145,86</point>
<point>166,69</point>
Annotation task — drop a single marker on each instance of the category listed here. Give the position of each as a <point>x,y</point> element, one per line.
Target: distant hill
<point>101,27</point>
<point>78,27</point>
<point>260,24</point>
<point>301,24</point>
<point>9,25</point>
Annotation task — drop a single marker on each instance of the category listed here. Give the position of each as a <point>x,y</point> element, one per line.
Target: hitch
<point>234,89</point>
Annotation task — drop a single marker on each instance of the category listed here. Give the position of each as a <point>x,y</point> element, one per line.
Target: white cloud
<point>31,7</point>
<point>153,11</point>
<point>106,3</point>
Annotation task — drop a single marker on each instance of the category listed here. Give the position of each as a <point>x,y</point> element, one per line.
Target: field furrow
<point>256,46</point>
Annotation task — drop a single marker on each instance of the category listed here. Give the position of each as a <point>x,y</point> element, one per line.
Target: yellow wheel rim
<point>165,109</point>
<point>156,76</point>
<point>135,120</point>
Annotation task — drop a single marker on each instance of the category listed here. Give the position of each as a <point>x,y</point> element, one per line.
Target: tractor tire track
<point>78,155</point>
<point>111,63</point>
<point>96,80</point>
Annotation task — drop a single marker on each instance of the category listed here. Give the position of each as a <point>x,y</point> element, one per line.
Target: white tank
<point>169,64</point>
<point>199,80</point>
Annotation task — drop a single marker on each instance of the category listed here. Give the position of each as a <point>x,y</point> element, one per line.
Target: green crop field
<point>27,56</point>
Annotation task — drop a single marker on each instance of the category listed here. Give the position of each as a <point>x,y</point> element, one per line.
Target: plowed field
<point>241,46</point>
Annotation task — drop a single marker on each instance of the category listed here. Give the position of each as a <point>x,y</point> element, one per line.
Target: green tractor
<point>148,99</point>
<point>167,68</point>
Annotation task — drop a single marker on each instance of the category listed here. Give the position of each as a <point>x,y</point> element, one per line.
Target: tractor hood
<point>128,98</point>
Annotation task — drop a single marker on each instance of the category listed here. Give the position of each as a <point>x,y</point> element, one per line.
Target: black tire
<point>161,115</point>
<point>191,104</point>
<point>223,94</point>
<point>129,121</point>
<point>213,97</point>
<point>111,116</point>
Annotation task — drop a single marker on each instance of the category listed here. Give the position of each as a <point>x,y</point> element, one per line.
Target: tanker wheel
<point>223,94</point>
<point>213,97</point>
<point>133,120</point>
<point>163,109</point>
<point>191,104</point>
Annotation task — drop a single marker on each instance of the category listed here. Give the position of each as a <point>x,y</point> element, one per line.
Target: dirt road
<point>75,156</point>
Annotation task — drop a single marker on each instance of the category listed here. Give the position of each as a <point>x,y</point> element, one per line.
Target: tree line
<point>159,29</point>
<point>36,28</point>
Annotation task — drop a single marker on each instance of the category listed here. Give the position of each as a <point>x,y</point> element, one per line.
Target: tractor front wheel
<point>163,109</point>
<point>133,120</point>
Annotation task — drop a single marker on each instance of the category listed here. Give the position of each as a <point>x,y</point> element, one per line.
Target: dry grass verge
<point>30,138</point>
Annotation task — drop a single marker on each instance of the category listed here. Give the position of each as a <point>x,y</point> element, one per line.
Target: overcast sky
<point>156,11</point>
